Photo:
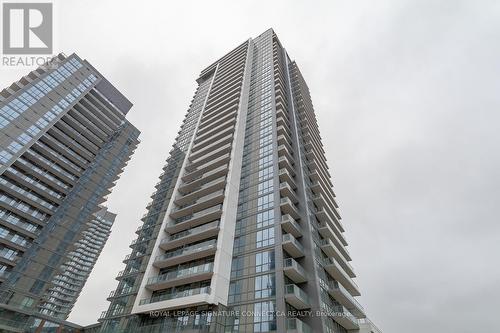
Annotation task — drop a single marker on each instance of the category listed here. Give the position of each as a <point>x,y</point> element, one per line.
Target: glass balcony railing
<point>290,238</point>
<point>295,290</point>
<point>334,285</point>
<point>198,214</point>
<point>174,295</point>
<point>292,263</point>
<point>192,231</point>
<point>200,269</point>
<point>188,249</point>
<point>297,325</point>
<point>199,200</point>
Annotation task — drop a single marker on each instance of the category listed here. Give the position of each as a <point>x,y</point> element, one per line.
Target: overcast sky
<point>407,96</point>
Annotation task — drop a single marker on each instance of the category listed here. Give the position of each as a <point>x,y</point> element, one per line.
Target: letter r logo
<point>27,28</point>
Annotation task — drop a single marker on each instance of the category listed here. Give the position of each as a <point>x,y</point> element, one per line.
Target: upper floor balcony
<point>175,295</point>
<point>194,219</point>
<point>202,190</point>
<point>284,151</point>
<point>291,226</point>
<point>195,173</point>
<point>187,253</point>
<point>296,297</point>
<point>201,144</point>
<point>191,235</point>
<point>337,272</point>
<point>202,179</point>
<point>285,163</point>
<point>286,176</point>
<point>344,317</point>
<point>294,270</point>
<point>292,246</point>
<point>324,216</point>
<point>181,276</point>
<point>286,190</point>
<point>227,139</point>
<point>210,156</point>
<point>344,297</point>
<point>288,207</point>
<point>229,124</point>
<point>198,205</point>
<point>295,325</point>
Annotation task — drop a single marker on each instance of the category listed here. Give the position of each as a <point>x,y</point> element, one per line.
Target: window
<point>27,302</point>
<point>265,237</point>
<point>264,261</point>
<point>265,286</point>
<point>264,317</point>
<point>265,218</point>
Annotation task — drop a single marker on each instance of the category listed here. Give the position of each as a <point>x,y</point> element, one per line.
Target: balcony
<point>320,188</point>
<point>296,297</point>
<point>220,127</point>
<point>121,292</point>
<point>187,253</point>
<point>294,270</point>
<point>331,247</point>
<point>318,166</point>
<point>115,313</point>
<point>335,270</point>
<point>292,246</point>
<point>345,318</point>
<point>175,295</point>
<point>285,163</point>
<point>282,121</point>
<point>195,219</point>
<point>228,139</point>
<point>283,151</point>
<point>328,230</point>
<point>203,190</point>
<point>180,277</point>
<point>287,191</point>
<point>288,207</point>
<point>283,136</point>
<point>198,205</point>
<point>324,216</point>
<point>291,226</point>
<point>188,187</point>
<point>334,230</point>
<point>191,235</point>
<point>194,173</point>
<point>285,176</point>
<point>208,141</point>
<point>323,201</point>
<point>366,325</point>
<point>342,295</point>
<point>284,140</point>
<point>212,155</point>
<point>281,111</point>
<point>209,124</point>
<point>295,325</point>
<point>124,273</point>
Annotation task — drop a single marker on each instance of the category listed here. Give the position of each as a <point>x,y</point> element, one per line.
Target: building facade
<point>64,141</point>
<point>243,233</point>
<point>67,285</point>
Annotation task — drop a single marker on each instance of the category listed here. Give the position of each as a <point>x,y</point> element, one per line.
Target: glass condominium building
<point>66,286</point>
<point>64,141</point>
<point>243,233</point>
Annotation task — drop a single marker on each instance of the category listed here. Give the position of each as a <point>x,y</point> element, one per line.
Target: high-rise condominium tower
<point>64,140</point>
<point>243,233</point>
<point>66,286</point>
